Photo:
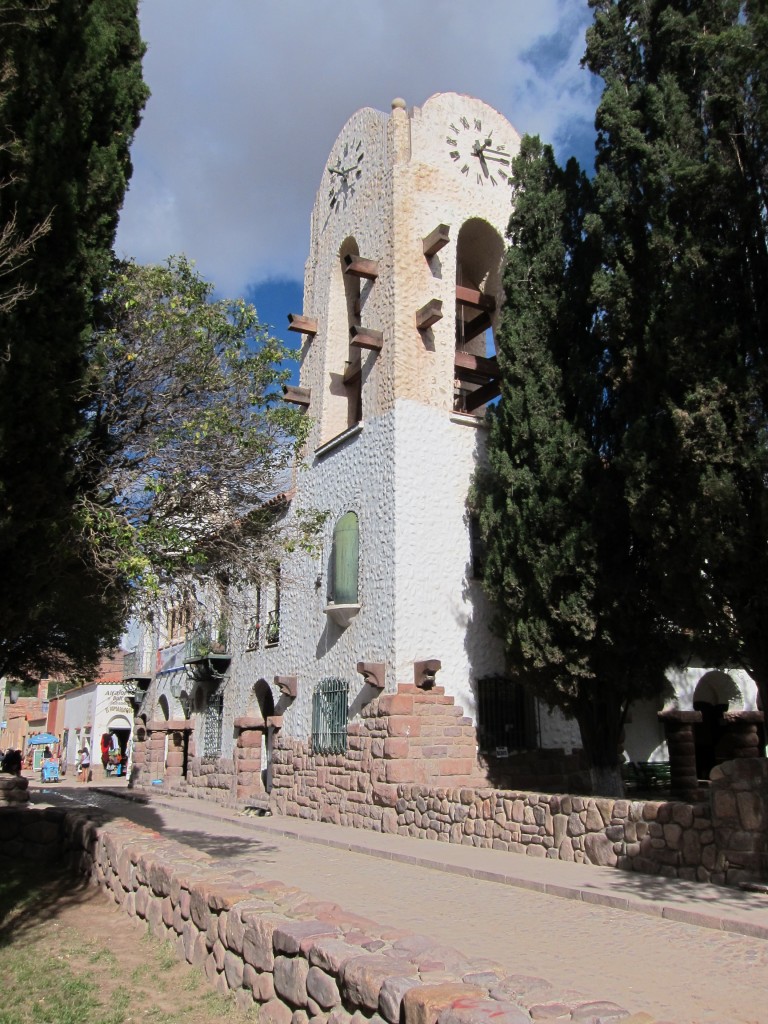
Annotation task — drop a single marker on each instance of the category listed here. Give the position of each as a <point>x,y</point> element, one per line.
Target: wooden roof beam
<point>296,395</point>
<point>302,324</point>
<point>356,266</point>
<point>474,298</point>
<point>484,394</point>
<point>429,314</point>
<point>476,326</point>
<point>366,337</point>
<point>436,239</point>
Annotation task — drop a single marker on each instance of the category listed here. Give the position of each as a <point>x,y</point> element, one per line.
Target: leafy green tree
<point>188,437</point>
<point>570,579</point>
<point>70,99</point>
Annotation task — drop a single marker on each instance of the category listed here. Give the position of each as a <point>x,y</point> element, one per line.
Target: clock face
<point>477,153</point>
<point>345,170</point>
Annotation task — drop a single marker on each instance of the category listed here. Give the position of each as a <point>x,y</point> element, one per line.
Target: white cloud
<point>249,95</point>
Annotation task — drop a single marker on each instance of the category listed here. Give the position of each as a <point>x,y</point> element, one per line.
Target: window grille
<point>329,717</point>
<point>273,627</point>
<point>254,626</point>
<point>272,632</point>
<point>212,725</point>
<point>505,715</point>
<point>254,635</point>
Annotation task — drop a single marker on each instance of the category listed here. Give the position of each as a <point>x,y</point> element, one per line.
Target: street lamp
<point>181,695</point>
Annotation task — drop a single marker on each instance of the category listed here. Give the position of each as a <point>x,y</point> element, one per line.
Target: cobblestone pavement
<point>677,972</point>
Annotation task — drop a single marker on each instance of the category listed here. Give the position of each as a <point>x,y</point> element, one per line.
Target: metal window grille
<point>212,725</point>
<point>329,716</point>
<point>505,715</point>
<point>254,626</point>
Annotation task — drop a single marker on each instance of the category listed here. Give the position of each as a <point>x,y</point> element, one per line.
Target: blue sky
<point>249,95</point>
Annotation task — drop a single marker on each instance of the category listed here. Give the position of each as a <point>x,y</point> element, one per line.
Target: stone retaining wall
<point>301,960</point>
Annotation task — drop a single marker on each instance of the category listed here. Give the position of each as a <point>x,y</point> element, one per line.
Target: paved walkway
<point>681,952</point>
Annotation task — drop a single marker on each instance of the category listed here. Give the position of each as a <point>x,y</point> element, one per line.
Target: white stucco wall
<point>93,710</point>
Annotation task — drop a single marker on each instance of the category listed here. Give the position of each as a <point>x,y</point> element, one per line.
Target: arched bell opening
<point>479,262</point>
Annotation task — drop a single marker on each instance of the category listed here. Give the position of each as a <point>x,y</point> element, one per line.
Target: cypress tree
<point>569,577</point>
<point>625,507</point>
<point>70,105</point>
<point>682,199</point>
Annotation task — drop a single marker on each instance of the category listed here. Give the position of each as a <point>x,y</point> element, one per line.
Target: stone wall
<point>272,945</point>
<point>413,736</point>
<point>32,834</point>
<point>410,768</point>
<point>14,790</point>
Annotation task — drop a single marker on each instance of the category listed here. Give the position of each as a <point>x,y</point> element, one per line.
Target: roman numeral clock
<point>480,151</point>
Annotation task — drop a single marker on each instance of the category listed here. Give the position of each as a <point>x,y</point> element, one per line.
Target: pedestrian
<point>85,764</point>
<point>12,762</point>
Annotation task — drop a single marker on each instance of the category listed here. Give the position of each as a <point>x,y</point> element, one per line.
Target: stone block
<point>233,970</point>
<point>391,996</point>
<point>423,1004</point>
<point>275,1012</point>
<point>395,704</point>
<point>290,978</point>
<point>363,976</point>
<point>323,988</point>
<point>751,810</point>
<point>290,936</point>
<point>399,771</point>
<point>332,954</point>
<point>257,940</point>
<point>483,1011</point>
<point>599,849</point>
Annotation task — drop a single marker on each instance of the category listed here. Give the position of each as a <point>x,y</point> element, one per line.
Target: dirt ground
<point>67,949</point>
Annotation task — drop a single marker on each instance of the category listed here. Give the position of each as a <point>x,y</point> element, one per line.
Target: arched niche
<point>343,407</point>
<point>163,707</point>
<point>479,266</point>
<point>262,693</point>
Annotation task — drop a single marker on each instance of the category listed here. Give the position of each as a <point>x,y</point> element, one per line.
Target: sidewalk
<point>708,906</point>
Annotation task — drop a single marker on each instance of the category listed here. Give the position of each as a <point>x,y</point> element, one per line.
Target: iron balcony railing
<point>206,641</point>
<point>137,664</point>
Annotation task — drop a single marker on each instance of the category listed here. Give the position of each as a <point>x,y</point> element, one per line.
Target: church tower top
<point>412,206</point>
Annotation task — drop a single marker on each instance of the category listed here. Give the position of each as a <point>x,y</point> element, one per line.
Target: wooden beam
<point>429,314</point>
<point>359,267</point>
<point>485,393</point>
<point>366,337</point>
<point>474,298</point>
<point>480,364</point>
<point>352,371</point>
<point>296,395</point>
<point>436,239</point>
<point>473,328</point>
<point>476,369</point>
<point>302,324</point>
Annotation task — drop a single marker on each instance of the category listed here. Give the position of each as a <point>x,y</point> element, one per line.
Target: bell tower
<point>401,297</point>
